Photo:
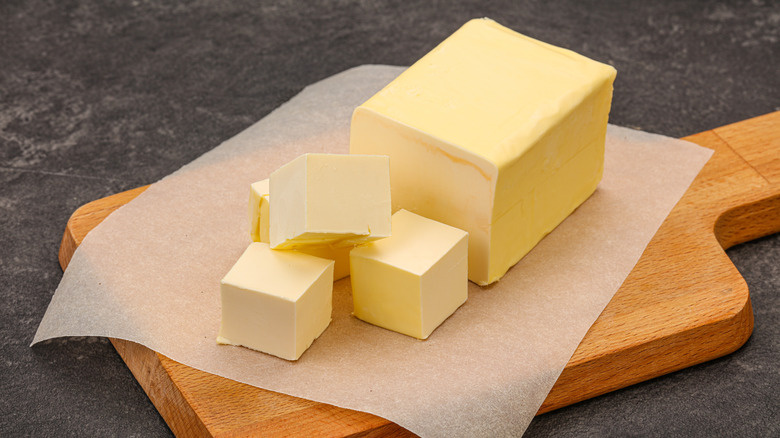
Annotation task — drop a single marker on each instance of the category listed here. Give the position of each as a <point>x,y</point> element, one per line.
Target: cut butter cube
<point>414,280</point>
<point>494,133</point>
<point>259,225</point>
<point>332,199</point>
<point>277,302</point>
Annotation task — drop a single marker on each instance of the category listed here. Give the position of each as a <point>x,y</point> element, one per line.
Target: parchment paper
<point>150,274</point>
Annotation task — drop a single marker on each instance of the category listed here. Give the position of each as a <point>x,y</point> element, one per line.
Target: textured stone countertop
<point>96,99</point>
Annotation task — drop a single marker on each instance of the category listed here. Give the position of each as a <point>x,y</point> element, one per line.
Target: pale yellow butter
<point>414,280</point>
<point>339,255</point>
<point>277,302</point>
<point>494,133</point>
<point>258,211</point>
<point>259,225</point>
<point>333,199</point>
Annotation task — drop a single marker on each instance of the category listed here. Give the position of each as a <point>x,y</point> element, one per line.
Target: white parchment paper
<point>150,274</point>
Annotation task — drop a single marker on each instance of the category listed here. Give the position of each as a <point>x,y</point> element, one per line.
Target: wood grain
<point>683,303</point>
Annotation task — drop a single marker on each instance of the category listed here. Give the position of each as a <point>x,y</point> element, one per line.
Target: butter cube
<point>259,225</point>
<point>332,199</point>
<point>414,280</point>
<point>277,302</point>
<point>494,133</point>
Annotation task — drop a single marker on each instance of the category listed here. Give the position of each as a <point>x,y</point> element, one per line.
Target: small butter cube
<point>412,281</point>
<point>333,199</point>
<point>277,302</point>
<point>494,133</point>
<point>258,229</point>
<point>258,211</point>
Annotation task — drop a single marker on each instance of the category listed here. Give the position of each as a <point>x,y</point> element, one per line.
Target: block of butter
<point>414,280</point>
<point>258,229</point>
<point>277,302</point>
<point>494,133</point>
<point>335,199</point>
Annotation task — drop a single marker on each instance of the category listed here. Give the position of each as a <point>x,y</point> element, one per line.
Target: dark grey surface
<point>98,98</point>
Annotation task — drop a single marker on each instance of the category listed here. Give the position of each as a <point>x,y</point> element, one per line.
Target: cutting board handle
<point>748,222</point>
<point>744,178</point>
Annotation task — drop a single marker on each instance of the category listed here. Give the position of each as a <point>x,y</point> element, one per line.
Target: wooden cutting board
<point>683,303</point>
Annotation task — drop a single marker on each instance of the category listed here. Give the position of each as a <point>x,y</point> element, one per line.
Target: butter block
<point>494,133</point>
<point>277,302</point>
<point>335,199</point>
<point>414,280</point>
<point>259,227</point>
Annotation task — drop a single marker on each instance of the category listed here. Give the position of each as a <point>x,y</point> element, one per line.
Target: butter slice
<point>259,224</point>
<point>277,302</point>
<point>258,211</point>
<point>494,133</point>
<point>414,280</point>
<point>334,199</point>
